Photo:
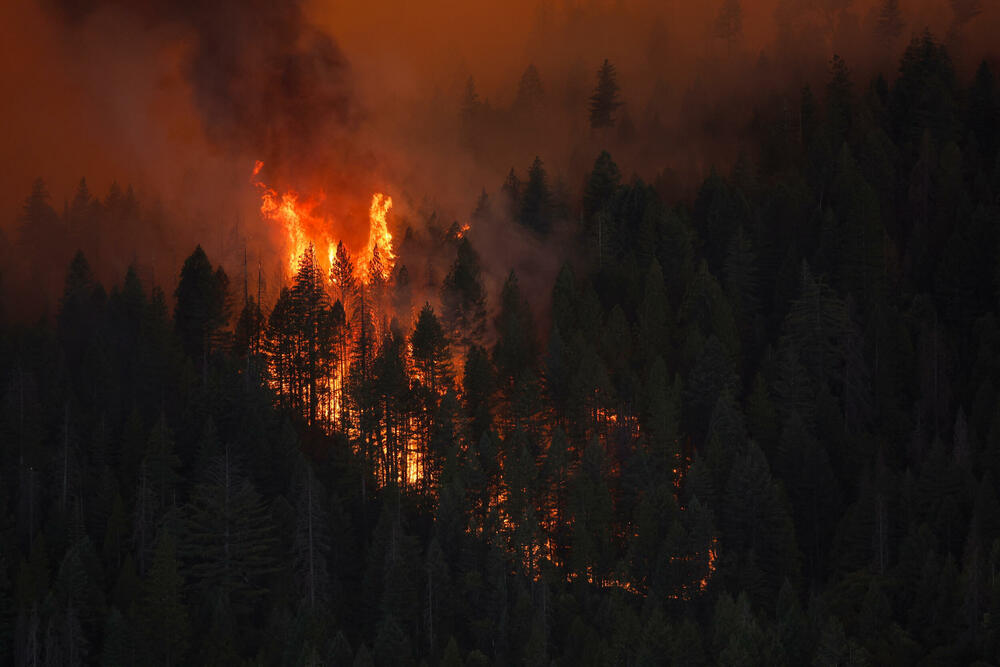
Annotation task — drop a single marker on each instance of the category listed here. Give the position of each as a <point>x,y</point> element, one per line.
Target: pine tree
<point>654,316</point>
<point>511,191</point>
<point>79,311</point>
<point>923,98</point>
<point>127,589</point>
<point>165,626</point>
<point>515,349</point>
<point>346,292</point>
<point>529,91</point>
<point>315,330</point>
<point>281,349</point>
<point>436,597</point>
<point>201,308</point>
<point>392,646</point>
<point>737,636</point>
<point>729,23</point>
<point>391,400</point>
<point>742,285</point>
<point>478,382</point>
<point>484,208</point>
<point>804,466</point>
<point>38,226</point>
<point>248,335</point>
<point>984,112</point>
<point>7,609</point>
<point>603,181</point>
<point>363,658</point>
<point>155,492</point>
<point>340,650</point>
<point>536,200</point>
<point>592,509</point>
<point>435,405</point>
<point>78,601</point>
<point>814,326</point>
<point>889,23</point>
<point>839,101</point>
<point>342,276</point>
<point>756,520</point>
<point>472,106</point>
<point>311,544</point>
<point>228,535</point>
<point>463,298</point>
<point>83,218</point>
<point>430,352</point>
<point>706,312</point>
<point>451,657</point>
<point>712,375</point>
<point>118,649</point>
<point>604,101</point>
<point>727,437</point>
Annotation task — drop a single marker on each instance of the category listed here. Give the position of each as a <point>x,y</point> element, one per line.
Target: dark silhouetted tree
<point>604,101</point>
<point>729,23</point>
<point>536,200</point>
<point>202,307</point>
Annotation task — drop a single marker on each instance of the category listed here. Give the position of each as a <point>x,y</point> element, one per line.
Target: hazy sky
<point>179,98</point>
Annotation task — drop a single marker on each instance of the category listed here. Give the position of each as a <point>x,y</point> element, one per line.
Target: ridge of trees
<point>758,428</point>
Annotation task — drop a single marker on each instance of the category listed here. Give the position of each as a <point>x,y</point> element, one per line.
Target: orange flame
<point>379,238</point>
<point>712,556</point>
<point>293,215</point>
<point>302,227</point>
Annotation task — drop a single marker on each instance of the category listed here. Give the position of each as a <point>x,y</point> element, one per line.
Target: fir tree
<point>165,625</point>
<point>604,101</point>
<point>729,23</point>
<point>228,536</point>
<point>536,200</point>
<point>201,308</point>
<point>529,91</point>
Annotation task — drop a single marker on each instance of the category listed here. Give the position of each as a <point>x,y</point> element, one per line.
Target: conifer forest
<point>556,333</point>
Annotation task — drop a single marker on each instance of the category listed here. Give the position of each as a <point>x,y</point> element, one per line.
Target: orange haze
<point>115,90</point>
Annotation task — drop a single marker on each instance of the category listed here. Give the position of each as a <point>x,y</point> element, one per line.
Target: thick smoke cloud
<point>263,79</point>
<point>180,98</point>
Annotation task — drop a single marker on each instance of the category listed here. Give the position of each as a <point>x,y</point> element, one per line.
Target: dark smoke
<point>180,97</point>
<point>264,81</point>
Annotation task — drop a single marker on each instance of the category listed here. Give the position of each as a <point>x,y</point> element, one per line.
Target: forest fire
<point>394,444</point>
<point>303,227</point>
<point>713,377</point>
<point>358,285</point>
<point>379,249</point>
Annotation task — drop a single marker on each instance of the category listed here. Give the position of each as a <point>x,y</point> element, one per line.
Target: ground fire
<point>403,465</point>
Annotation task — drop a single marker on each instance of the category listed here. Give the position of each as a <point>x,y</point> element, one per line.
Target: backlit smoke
<point>261,77</point>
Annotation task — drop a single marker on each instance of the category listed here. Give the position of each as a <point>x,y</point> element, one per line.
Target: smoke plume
<point>180,98</point>
<point>263,80</point>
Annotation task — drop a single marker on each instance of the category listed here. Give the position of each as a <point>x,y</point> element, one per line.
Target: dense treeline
<point>759,428</point>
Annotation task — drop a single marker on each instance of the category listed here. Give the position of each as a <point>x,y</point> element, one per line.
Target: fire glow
<point>303,227</point>
<point>370,271</point>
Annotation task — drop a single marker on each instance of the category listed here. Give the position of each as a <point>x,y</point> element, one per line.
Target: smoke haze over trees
<point>179,100</point>
<point>632,334</point>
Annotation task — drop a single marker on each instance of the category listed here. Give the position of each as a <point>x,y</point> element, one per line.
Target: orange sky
<point>110,99</point>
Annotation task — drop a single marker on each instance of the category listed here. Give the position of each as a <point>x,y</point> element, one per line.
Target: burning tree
<point>304,327</point>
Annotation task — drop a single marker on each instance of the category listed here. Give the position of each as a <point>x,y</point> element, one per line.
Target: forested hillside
<point>758,426</point>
